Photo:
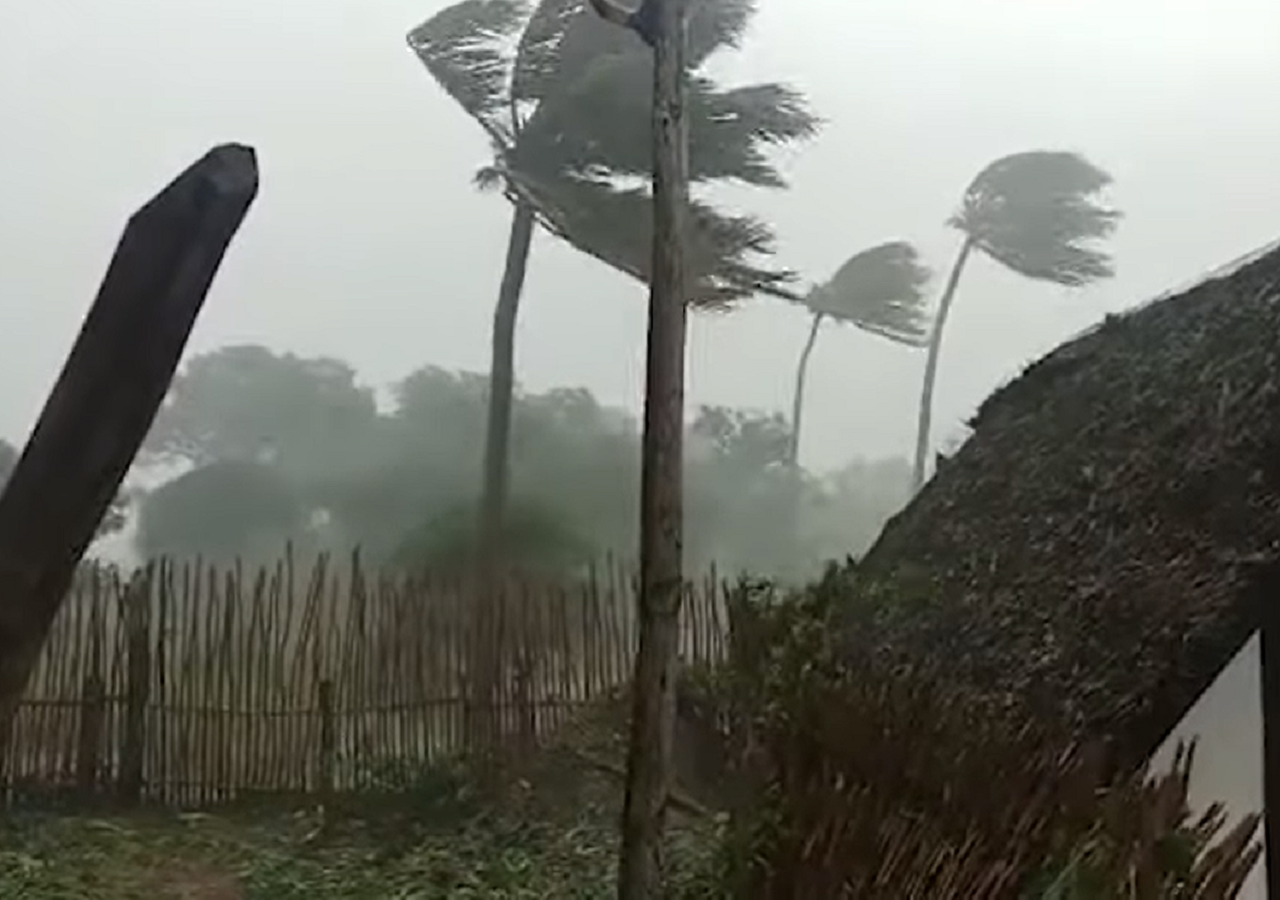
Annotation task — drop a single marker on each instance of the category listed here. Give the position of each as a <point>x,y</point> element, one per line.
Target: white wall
<point>1227,724</point>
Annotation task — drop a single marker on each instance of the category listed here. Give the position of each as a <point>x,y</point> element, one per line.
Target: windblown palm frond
<point>880,290</point>
<point>463,47</point>
<point>567,101</point>
<point>562,39</point>
<point>565,37</point>
<point>716,26</point>
<point>614,225</point>
<point>489,178</point>
<point>603,123</point>
<point>1038,213</point>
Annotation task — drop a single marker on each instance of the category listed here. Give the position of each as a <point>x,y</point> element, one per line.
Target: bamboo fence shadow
<point>188,685</point>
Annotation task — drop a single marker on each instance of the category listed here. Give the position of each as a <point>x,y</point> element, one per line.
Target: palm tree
<point>880,290</point>
<point>1037,214</point>
<point>565,100</point>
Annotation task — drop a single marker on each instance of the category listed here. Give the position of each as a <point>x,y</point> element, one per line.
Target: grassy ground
<point>224,859</point>
<point>428,836</point>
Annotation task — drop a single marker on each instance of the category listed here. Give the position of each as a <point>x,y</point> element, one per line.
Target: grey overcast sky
<point>368,242</point>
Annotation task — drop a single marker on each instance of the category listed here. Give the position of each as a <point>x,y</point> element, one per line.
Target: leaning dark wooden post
<point>110,388</point>
<point>1267,593</point>
<point>660,23</point>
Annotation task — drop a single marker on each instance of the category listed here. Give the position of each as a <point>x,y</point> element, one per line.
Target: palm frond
<point>614,224</point>
<point>716,25</point>
<point>606,110</point>
<point>1039,214</point>
<point>880,290</point>
<point>731,130</point>
<point>564,38</point>
<point>569,110</point>
<point>464,47</point>
<point>489,178</point>
<point>604,124</point>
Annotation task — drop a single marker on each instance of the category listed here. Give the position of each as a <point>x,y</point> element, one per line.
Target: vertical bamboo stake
<point>455,679</point>
<point>328,745</point>
<point>133,753</point>
<point>89,738</point>
<point>94,709</point>
<point>254,669</point>
<point>228,597</point>
<point>206,583</point>
<point>162,775</point>
<point>430,656</point>
<point>527,713</point>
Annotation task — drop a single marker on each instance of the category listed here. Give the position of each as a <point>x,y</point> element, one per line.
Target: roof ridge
<point>1218,273</point>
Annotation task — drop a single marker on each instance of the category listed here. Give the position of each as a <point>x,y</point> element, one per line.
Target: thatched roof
<point>1087,554</point>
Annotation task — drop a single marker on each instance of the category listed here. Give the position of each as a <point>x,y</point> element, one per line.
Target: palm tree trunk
<point>925,422</point>
<point>797,401</point>
<point>649,762</point>
<point>790,530</point>
<point>502,365</point>
<point>493,498</point>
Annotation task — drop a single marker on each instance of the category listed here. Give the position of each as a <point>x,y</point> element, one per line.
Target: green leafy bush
<point>860,779</point>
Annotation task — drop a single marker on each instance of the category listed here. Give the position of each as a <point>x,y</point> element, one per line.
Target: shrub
<point>856,779</point>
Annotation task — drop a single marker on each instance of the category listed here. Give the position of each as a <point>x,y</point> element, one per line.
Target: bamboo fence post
<point>133,750</point>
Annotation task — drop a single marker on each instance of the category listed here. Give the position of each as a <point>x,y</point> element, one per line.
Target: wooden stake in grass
<point>661,24</point>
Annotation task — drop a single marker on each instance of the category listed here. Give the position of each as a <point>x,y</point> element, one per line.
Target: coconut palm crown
<point>565,99</point>
<point>879,290</point>
<point>1036,213</point>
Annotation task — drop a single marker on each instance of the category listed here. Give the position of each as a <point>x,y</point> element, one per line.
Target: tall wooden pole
<point>661,24</point>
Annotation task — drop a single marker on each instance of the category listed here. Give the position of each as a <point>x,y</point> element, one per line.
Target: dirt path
<point>186,881</point>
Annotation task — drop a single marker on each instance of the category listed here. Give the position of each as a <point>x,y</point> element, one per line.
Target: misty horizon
<point>369,243</point>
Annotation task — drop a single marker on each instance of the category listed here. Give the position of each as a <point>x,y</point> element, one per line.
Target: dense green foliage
<point>242,506</point>
<point>294,449</point>
<point>853,777</point>
<point>304,412</point>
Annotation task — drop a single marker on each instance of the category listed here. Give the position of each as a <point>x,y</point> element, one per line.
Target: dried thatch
<point>1089,553</point>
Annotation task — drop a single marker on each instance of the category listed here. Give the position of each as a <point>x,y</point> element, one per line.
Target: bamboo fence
<point>189,685</point>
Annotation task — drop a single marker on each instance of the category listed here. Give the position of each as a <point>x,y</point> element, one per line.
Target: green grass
<point>71,858</point>
<point>430,838</point>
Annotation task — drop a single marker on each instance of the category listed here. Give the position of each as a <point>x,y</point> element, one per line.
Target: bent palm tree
<point>1035,213</point>
<point>881,291</point>
<point>565,99</point>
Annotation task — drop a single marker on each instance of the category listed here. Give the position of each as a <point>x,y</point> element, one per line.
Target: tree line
<point>274,447</point>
